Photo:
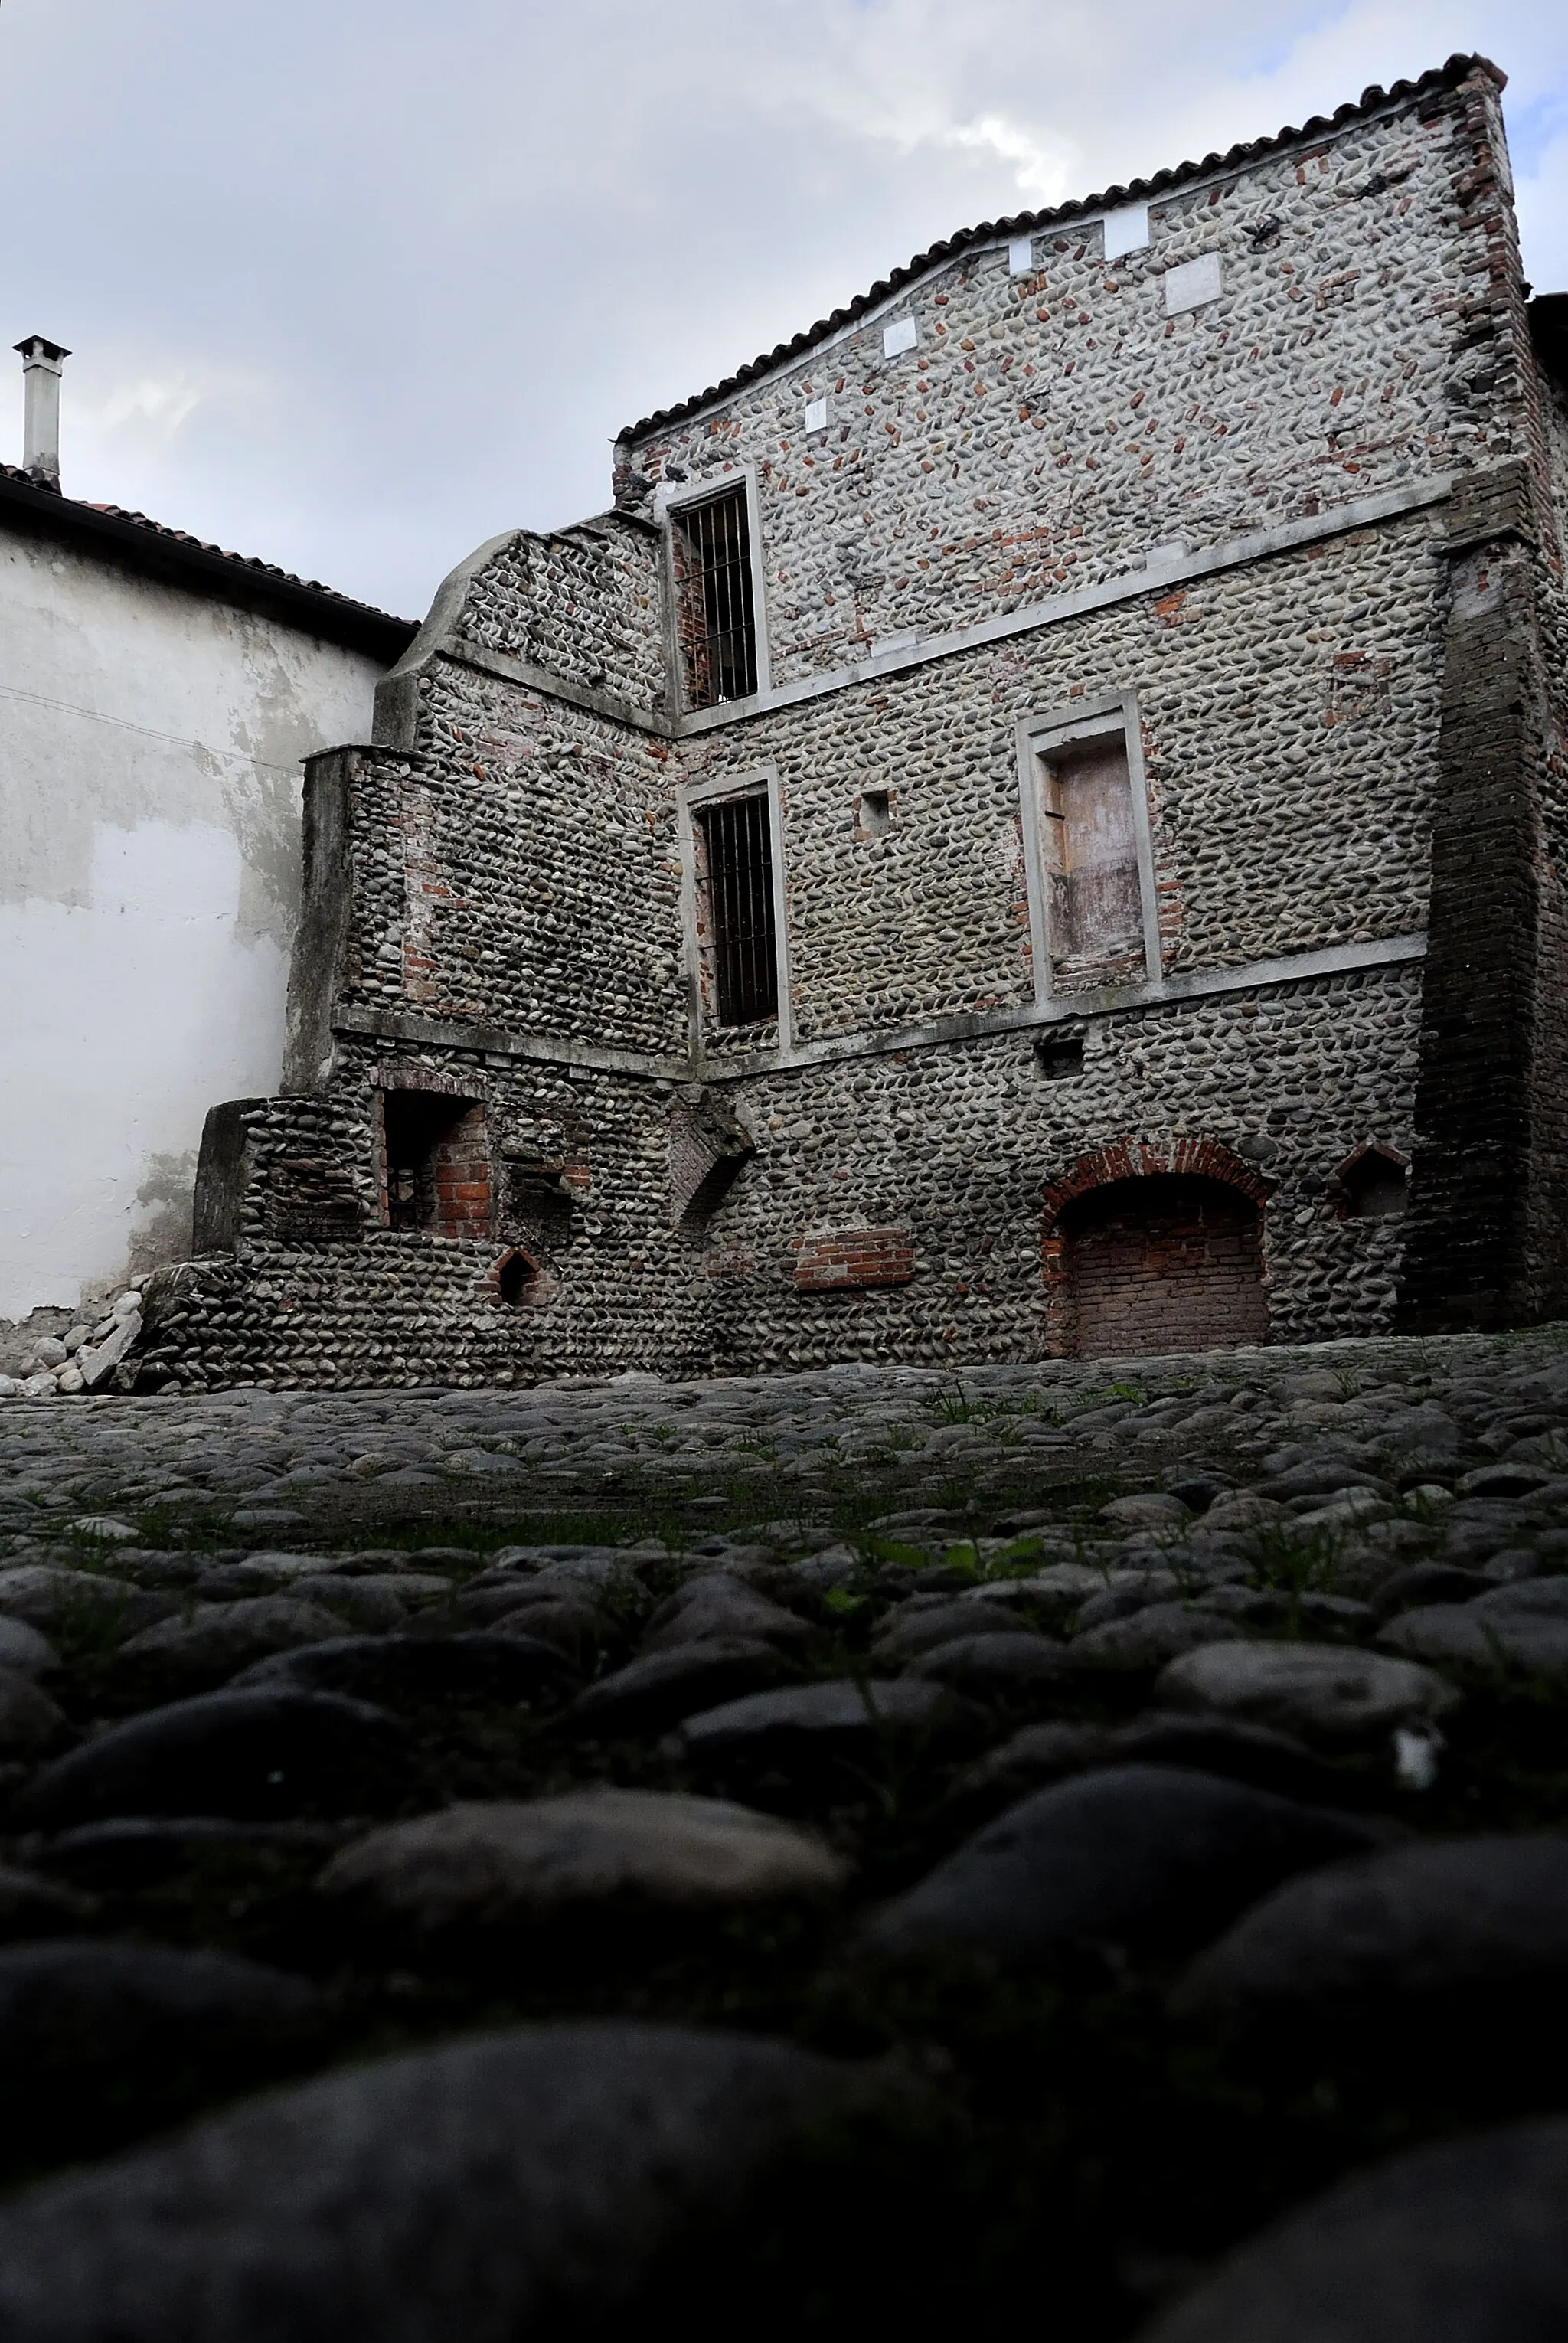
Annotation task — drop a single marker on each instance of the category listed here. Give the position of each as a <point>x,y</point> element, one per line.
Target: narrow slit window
<point>738,876</point>
<point>1094,899</point>
<point>712,542</point>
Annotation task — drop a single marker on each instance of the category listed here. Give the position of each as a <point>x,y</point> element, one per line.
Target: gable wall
<point>1050,430</point>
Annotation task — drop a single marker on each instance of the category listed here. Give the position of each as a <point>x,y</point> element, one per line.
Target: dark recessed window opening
<point>712,545</point>
<point>738,851</point>
<point>1058,1057</point>
<point>514,1274</point>
<point>876,813</point>
<point>539,1205</point>
<point>437,1163</point>
<point>1373,1185</point>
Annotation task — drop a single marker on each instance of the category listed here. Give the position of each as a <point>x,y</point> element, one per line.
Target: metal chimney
<point>41,364</point>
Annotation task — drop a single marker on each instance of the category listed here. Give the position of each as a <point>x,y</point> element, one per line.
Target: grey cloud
<point>409,269</point>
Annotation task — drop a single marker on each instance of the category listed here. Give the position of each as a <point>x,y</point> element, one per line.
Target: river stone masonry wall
<point>1226,531</point>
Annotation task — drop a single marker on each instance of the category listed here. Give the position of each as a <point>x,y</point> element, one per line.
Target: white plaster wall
<point>150,742</point>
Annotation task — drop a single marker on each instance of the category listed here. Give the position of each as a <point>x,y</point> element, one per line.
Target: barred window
<point>736,881</point>
<point>715,616</point>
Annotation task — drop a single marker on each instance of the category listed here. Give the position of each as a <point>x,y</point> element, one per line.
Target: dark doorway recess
<point>1373,1185</point>
<point>437,1163</point>
<point>516,1273</point>
<point>1168,1262</point>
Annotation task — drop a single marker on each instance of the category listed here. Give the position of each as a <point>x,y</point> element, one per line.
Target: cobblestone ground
<point>855,1847</point>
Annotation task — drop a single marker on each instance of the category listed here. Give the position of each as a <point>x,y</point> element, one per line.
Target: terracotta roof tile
<point>210,560</point>
<point>1458,68</point>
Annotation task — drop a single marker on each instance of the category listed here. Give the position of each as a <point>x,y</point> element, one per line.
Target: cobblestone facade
<point>1150,584</point>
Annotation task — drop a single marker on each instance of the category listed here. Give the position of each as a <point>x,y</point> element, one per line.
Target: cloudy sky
<point>355,284</point>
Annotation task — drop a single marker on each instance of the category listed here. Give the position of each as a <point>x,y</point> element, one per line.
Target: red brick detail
<point>516,1279</point>
<point>1178,1266</point>
<point>853,1259</point>
<point>1137,1159</point>
<point>461,1165</point>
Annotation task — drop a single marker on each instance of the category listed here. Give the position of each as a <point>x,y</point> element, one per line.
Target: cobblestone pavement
<point>291,1463</point>
<point>1063,1817</point>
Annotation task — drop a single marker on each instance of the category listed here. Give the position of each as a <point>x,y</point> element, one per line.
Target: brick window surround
<point>437,1163</point>
<point>1150,1247</point>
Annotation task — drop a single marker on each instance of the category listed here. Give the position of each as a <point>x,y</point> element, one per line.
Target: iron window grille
<point>738,852</point>
<point>712,545</point>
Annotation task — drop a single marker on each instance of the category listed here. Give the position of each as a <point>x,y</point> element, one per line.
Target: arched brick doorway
<point>1151,1249</point>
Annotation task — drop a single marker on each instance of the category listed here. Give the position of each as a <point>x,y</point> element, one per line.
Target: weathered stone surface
<point>986,1666</point>
<point>661,1687</point>
<point>48,1597</point>
<point>473,1666</point>
<point>512,2185</point>
<point>475,1864</point>
<point>31,1905</point>
<point>913,1630</point>
<point>29,1719</point>
<point>1466,2242</point>
<point>1488,1912</point>
<point>1130,1591</point>
<point>567,1619</point>
<point>1031,1759</point>
<point>1467,1637</point>
<point>1244,1510</point>
<point>1323,1691</point>
<point>1506,1480</point>
<point>1133,1853</point>
<point>24,1651</point>
<point>375,1605</point>
<point>1427,1585</point>
<point>74,2013</point>
<point>807,1726</point>
<point>1056,1594</point>
<point>243,1753</point>
<point>1228,1745</point>
<point>711,1607</point>
<point>1150,1638</point>
<point>221,1638</point>
<point>568,1626</point>
<point>135,1851</point>
<point>96,1362</point>
<point>1154,1509</point>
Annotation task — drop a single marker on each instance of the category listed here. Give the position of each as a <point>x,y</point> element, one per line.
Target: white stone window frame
<point>672,497</point>
<point>1114,718</point>
<point>725,789</point>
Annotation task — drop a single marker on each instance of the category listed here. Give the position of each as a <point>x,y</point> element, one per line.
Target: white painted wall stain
<point>149,861</point>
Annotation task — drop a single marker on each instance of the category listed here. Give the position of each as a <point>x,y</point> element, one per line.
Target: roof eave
<point>202,569</point>
<point>1373,100</point>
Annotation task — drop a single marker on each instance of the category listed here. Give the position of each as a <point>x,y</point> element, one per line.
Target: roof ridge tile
<point>1458,67</point>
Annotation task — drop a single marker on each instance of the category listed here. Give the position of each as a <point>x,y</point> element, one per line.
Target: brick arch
<point>1120,1161</point>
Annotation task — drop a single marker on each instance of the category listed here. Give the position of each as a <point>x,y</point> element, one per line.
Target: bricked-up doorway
<point>437,1163</point>
<point>1166,1262</point>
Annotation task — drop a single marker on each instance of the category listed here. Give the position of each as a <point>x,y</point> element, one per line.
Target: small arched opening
<point>1162,1262</point>
<point>516,1277</point>
<point>1372,1183</point>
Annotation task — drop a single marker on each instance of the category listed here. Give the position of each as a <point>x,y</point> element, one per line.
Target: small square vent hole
<point>876,813</point>
<point>1059,1057</point>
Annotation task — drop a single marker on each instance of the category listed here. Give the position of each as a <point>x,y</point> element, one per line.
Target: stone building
<point>1033,825</point>
<point>156,696</point>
